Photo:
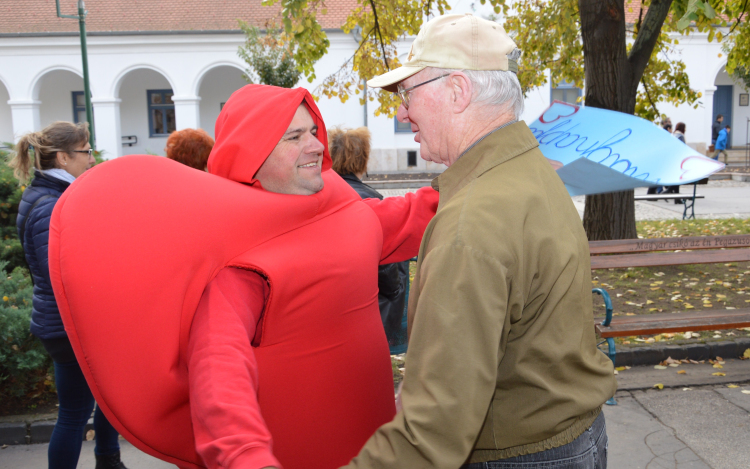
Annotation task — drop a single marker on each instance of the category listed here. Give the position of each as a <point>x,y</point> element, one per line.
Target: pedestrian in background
<point>716,128</point>
<point>190,147</point>
<point>350,152</point>
<point>721,144</point>
<point>679,133</point>
<point>57,156</point>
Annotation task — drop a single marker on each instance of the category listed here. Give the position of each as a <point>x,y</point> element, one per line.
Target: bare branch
<point>648,95</point>
<point>647,36</point>
<point>380,35</point>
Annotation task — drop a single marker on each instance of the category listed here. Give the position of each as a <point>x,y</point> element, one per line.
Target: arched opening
<point>731,101</point>
<point>216,86</point>
<point>6,118</point>
<point>147,113</point>
<point>61,96</point>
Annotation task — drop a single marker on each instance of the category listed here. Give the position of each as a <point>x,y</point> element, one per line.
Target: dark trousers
<point>76,405</point>
<point>588,451</point>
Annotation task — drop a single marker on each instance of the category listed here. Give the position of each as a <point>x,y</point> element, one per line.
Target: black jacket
<point>46,322</point>
<point>393,279</point>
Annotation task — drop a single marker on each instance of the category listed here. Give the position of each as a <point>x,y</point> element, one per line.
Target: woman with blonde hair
<point>55,157</point>
<point>350,152</point>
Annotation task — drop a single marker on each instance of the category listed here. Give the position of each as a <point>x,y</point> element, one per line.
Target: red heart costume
<point>135,241</point>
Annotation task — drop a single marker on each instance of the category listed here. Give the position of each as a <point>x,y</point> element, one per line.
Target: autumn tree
<point>269,56</point>
<point>624,66</point>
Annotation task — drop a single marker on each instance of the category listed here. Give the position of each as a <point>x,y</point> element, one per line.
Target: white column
<point>187,112</point>
<point>107,126</point>
<point>25,115</point>
<point>708,118</point>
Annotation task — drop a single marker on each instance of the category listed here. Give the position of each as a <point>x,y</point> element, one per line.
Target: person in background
<point>57,156</point>
<point>190,147</point>
<point>667,123</point>
<point>350,151</point>
<point>716,128</point>
<point>721,144</point>
<point>679,133</point>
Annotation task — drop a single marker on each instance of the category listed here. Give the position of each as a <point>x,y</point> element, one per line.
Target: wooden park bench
<point>650,253</point>
<point>688,212</point>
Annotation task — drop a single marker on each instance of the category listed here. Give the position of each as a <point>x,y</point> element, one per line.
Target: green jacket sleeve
<point>451,366</point>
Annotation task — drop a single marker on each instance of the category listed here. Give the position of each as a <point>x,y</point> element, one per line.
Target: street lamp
<point>81,17</point>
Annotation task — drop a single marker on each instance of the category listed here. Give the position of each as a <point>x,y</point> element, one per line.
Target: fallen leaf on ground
<point>660,367</point>
<point>745,392</point>
<point>90,435</point>
<point>686,389</point>
<point>629,314</point>
<point>718,374</point>
<point>716,365</point>
<point>659,386</point>
<point>746,355</point>
<point>682,372</point>
<point>732,386</point>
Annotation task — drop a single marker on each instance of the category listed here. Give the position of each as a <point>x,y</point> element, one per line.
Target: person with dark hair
<point>679,133</point>
<point>56,156</point>
<point>721,144</point>
<point>350,152</point>
<point>667,124</point>
<point>716,128</point>
<point>190,147</point>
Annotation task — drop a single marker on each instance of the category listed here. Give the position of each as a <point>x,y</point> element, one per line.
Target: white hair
<point>495,87</point>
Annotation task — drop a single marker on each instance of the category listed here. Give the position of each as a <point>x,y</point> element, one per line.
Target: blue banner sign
<point>597,151</point>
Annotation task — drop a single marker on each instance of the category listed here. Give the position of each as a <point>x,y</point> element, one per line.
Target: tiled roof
<point>633,10</point>
<point>40,16</point>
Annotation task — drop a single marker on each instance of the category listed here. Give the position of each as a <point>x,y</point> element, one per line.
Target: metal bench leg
<point>690,205</point>
<point>611,344</point>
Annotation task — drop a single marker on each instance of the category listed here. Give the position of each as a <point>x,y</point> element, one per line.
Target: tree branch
<point>651,101</point>
<point>739,20</point>
<point>647,36</point>
<point>380,36</point>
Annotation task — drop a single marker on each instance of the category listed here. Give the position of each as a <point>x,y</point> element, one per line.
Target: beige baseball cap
<point>462,42</point>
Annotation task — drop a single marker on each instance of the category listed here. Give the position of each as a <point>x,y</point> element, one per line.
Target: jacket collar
<point>495,148</point>
<point>43,180</point>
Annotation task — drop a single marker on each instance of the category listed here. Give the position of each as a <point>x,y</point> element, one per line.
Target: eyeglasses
<point>90,151</point>
<point>404,94</point>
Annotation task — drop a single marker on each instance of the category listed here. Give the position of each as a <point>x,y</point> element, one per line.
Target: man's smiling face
<point>294,166</point>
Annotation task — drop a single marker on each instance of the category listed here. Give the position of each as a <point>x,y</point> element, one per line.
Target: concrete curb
<point>653,355</point>
<point>39,431</point>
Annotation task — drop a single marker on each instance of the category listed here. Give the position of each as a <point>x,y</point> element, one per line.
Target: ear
<point>62,158</point>
<point>461,91</point>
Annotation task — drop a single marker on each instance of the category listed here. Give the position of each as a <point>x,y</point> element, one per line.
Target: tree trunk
<point>612,79</point>
<point>607,216</point>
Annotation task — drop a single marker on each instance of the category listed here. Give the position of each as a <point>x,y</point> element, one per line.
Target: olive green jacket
<point>502,356</point>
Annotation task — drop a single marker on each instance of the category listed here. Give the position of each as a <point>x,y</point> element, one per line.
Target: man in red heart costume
<point>210,312</point>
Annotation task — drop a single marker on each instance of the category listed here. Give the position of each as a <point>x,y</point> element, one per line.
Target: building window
<point>79,107</point>
<point>402,127</point>
<point>411,158</point>
<point>161,120</point>
<point>566,92</point>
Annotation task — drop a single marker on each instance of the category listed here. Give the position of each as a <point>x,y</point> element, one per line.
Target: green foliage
<point>742,74</point>
<point>548,33</point>
<point>24,364</point>
<point>11,191</point>
<point>270,57</point>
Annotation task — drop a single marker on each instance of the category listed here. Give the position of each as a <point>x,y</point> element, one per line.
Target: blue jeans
<point>76,404</point>
<point>588,451</point>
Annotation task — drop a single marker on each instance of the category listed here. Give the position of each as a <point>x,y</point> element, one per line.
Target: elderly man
<point>241,329</point>
<point>502,368</point>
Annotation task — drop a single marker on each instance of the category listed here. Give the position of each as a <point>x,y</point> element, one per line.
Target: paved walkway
<point>696,421</point>
<point>724,199</point>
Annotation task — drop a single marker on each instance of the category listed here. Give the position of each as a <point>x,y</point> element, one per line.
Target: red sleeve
<point>404,220</point>
<point>227,423</point>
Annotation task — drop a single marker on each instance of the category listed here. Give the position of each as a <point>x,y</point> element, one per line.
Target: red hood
<point>250,125</point>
